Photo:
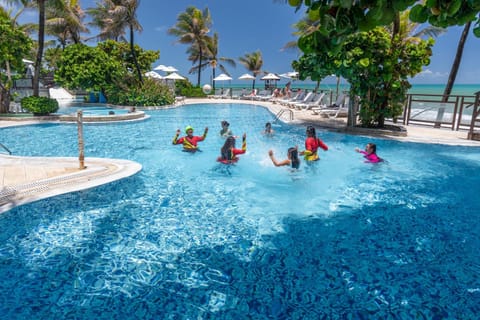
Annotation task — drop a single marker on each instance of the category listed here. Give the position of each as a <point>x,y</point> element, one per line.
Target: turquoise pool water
<point>89,110</point>
<point>188,238</point>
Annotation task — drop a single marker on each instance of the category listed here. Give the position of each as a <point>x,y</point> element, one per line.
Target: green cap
<point>188,128</point>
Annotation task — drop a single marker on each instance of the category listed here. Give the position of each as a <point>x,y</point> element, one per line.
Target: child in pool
<point>229,152</point>
<point>268,129</point>
<point>370,153</point>
<point>225,132</point>
<point>292,158</point>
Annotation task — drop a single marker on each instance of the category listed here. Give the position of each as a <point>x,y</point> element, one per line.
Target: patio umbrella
<point>164,68</point>
<point>174,76</point>
<point>270,80</point>
<point>221,77</point>
<point>153,74</point>
<point>290,75</point>
<point>247,76</point>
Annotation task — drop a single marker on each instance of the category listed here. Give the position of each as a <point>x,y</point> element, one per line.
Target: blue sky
<point>265,25</point>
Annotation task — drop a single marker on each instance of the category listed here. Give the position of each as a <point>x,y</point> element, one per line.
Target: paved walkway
<point>26,179</point>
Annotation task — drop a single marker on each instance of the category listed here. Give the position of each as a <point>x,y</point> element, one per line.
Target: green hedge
<point>39,105</point>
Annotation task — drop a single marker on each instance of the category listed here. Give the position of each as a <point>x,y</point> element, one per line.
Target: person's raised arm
<point>175,139</point>
<point>277,163</point>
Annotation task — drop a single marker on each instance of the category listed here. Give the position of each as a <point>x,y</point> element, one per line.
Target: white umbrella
<point>153,74</point>
<point>222,77</point>
<point>246,76</point>
<point>164,68</point>
<point>270,80</point>
<point>271,76</point>
<point>174,76</point>
<point>160,67</point>
<point>290,75</point>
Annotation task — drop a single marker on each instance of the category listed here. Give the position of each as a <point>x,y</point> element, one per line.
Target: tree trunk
<point>456,62</point>
<point>200,53</point>
<point>213,81</point>
<point>4,99</point>
<point>41,40</point>
<point>134,56</point>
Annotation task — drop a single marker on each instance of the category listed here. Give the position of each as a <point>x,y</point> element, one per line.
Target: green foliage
<point>316,66</point>
<point>14,45</point>
<point>120,51</point>
<point>88,68</point>
<point>377,69</point>
<point>39,105</point>
<point>150,93</point>
<point>186,89</point>
<point>337,19</point>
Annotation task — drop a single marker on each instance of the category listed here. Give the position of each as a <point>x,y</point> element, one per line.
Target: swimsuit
<point>189,143</point>
<point>311,147</point>
<point>231,156</point>
<point>372,157</point>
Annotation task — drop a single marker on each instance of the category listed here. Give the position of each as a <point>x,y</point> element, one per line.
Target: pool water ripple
<point>190,238</point>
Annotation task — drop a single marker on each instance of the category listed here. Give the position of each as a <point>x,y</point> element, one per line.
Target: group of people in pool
<point>229,153</point>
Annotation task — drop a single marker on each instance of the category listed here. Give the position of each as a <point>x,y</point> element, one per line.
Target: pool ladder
<point>281,112</point>
<point>6,149</point>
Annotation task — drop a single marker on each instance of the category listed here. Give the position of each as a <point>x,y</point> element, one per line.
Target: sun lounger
<point>315,102</point>
<point>224,95</point>
<point>298,97</point>
<point>306,99</point>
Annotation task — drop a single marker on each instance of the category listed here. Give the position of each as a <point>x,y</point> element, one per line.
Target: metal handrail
<point>281,112</point>
<point>6,149</point>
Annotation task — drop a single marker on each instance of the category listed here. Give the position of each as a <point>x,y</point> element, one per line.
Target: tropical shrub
<point>39,105</point>
<point>186,89</point>
<point>150,93</point>
<point>377,68</point>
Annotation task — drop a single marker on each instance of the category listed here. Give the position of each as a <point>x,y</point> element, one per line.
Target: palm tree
<point>211,58</point>
<point>456,62</point>
<point>303,27</point>
<point>65,22</point>
<point>113,17</point>
<point>191,28</point>
<point>253,62</point>
<point>101,19</point>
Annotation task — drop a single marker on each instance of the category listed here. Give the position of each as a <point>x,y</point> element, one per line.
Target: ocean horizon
<point>458,89</point>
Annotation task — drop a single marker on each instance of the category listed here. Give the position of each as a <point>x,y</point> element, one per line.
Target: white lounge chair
<point>316,102</point>
<point>298,97</point>
<point>339,103</point>
<point>308,97</point>
<point>224,95</point>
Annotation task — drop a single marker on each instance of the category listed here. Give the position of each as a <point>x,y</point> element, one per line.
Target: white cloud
<point>427,73</point>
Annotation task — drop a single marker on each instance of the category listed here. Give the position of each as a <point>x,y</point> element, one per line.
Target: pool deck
<point>28,179</point>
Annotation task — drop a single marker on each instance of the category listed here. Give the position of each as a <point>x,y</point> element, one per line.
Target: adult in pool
<point>312,143</point>
<point>189,141</point>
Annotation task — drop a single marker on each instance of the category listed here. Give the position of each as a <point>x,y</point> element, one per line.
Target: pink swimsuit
<point>372,157</point>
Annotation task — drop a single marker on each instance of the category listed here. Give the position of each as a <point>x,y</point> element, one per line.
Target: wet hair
<point>373,146</point>
<point>293,153</point>
<point>225,123</point>
<point>226,149</point>
<point>311,131</point>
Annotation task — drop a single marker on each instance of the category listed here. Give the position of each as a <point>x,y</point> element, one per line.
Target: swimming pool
<point>189,238</point>
<point>90,110</point>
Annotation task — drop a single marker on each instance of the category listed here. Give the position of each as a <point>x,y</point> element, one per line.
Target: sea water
<point>190,238</point>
